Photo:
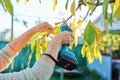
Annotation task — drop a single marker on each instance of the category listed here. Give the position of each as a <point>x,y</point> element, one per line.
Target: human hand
<point>54,46</point>
<point>61,38</point>
<point>44,27</point>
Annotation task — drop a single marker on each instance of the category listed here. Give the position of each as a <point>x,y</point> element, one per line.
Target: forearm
<point>6,56</point>
<point>11,49</point>
<point>53,51</point>
<point>18,43</point>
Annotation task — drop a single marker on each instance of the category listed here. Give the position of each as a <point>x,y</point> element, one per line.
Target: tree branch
<point>80,3</point>
<point>86,15</point>
<point>111,1</point>
<point>96,5</point>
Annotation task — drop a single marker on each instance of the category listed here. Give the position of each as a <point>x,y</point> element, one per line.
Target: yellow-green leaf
<point>91,7</point>
<point>90,57</point>
<point>59,23</point>
<point>56,29</point>
<point>66,5</point>
<point>26,1</point>
<point>40,1</point>
<point>17,0</point>
<point>1,2</point>
<point>99,56</point>
<point>71,46</point>
<point>116,10</point>
<point>100,1</point>
<point>111,14</point>
<point>72,25</point>
<point>83,50</point>
<point>39,34</point>
<point>79,23</point>
<point>54,4</point>
<point>38,49</point>
<point>72,8</point>
<point>97,33</point>
<point>89,33</point>
<point>105,8</point>
<point>94,50</point>
<point>75,40</point>
<point>44,45</point>
<point>9,6</point>
<point>84,1</point>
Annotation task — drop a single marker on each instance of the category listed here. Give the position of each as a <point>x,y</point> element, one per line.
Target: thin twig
<point>111,1</point>
<point>86,15</point>
<point>95,7</point>
<point>96,4</point>
<point>93,10</point>
<point>75,10</point>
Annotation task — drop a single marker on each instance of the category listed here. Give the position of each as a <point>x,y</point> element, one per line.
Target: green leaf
<point>17,0</point>
<point>111,19</point>
<point>1,2</point>
<point>9,6</point>
<point>111,15</point>
<point>89,33</point>
<point>105,8</point>
<point>66,5</point>
<point>57,23</point>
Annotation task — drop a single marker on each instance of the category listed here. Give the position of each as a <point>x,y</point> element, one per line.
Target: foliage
<point>91,34</point>
<point>110,38</point>
<point>7,5</point>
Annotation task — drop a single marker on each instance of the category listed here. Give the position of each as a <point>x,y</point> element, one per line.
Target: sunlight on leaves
<point>72,25</point>
<point>91,7</point>
<point>116,10</point>
<point>72,8</point>
<point>26,1</point>
<point>38,49</point>
<point>83,50</point>
<point>54,4</point>
<point>79,23</point>
<point>97,33</point>
<point>56,30</point>
<point>90,47</point>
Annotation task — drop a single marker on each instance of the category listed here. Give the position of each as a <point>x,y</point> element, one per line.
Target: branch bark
<point>111,1</point>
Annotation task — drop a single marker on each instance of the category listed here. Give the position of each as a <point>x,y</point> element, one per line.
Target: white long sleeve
<point>42,70</point>
<point>6,56</point>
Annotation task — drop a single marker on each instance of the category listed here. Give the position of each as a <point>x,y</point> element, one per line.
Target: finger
<point>50,29</point>
<point>50,32</point>
<point>68,33</point>
<point>69,42</point>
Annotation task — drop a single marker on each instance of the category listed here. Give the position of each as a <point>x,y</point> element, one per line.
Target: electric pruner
<point>66,59</point>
